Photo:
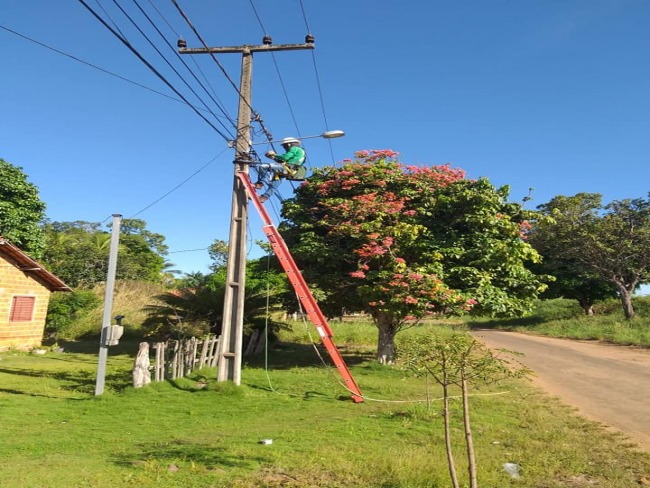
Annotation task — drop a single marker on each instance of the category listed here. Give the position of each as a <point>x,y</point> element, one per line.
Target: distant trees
<point>587,240</point>
<point>21,210</point>
<point>78,251</point>
<point>402,242</point>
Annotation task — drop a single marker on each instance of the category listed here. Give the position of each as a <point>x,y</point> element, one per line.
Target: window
<point>22,309</point>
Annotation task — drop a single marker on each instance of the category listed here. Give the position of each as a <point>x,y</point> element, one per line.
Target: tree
<point>572,280</point>
<point>611,241</point>
<point>65,308</point>
<point>78,252</point>
<point>218,252</point>
<point>405,242</point>
<point>461,361</point>
<point>21,210</point>
<point>197,308</point>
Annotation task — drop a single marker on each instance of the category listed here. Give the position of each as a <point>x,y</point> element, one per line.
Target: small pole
<point>108,304</point>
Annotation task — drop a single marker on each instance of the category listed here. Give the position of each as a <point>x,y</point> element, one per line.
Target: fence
<point>175,359</point>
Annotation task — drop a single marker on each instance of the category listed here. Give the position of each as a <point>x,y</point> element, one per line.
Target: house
<point>25,288</point>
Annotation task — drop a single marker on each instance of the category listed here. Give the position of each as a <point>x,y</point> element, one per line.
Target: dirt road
<point>609,384</point>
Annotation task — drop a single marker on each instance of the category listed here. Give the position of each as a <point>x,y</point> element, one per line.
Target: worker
<point>285,165</point>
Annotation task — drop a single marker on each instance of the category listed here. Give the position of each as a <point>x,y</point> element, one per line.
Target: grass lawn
<point>55,433</point>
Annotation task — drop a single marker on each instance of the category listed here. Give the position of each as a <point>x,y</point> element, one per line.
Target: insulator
<point>309,39</point>
<point>267,40</point>
<point>181,43</point>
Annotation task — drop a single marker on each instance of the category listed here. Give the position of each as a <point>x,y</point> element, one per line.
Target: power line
<point>164,58</point>
<point>279,73</point>
<point>217,103</point>
<point>304,16</point>
<point>109,17</point>
<point>79,60</point>
<point>154,70</point>
<point>322,101</point>
<point>318,83</point>
<point>180,184</point>
<point>255,115</point>
<point>178,36</point>
<point>188,250</point>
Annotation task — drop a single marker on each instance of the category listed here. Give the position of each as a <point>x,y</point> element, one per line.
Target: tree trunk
<point>141,373</point>
<point>469,440</point>
<point>386,339</point>
<point>626,300</point>
<point>587,306</point>
<point>445,415</point>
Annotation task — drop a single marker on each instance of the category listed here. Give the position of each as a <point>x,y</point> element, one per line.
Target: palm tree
<point>198,309</point>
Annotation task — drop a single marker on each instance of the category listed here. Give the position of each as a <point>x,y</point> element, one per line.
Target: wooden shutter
<point>22,309</point>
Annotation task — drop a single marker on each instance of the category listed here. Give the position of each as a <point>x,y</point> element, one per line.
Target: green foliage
<point>557,309</point>
<point>218,252</point>
<point>55,433</point>
<point>455,357</point>
<point>563,318</point>
<point>405,242</point>
<point>583,238</point>
<point>78,252</point>
<point>21,210</point>
<point>66,308</point>
<point>197,308</point>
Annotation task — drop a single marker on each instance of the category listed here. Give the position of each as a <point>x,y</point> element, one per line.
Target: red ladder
<point>299,284</point>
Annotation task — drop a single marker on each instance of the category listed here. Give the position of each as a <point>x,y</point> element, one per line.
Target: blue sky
<point>548,94</point>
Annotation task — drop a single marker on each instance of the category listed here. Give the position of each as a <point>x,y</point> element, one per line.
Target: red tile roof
<point>32,268</point>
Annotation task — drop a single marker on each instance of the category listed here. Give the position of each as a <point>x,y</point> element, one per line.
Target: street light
<point>330,134</point>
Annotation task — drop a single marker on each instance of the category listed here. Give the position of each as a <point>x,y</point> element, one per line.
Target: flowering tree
<point>405,242</point>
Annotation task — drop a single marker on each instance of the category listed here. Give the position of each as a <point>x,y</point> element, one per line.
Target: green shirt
<point>295,155</point>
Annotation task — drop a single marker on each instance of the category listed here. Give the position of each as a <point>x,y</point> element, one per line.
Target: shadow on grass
<point>506,324</point>
<point>180,453</point>
<point>127,347</point>
<point>285,355</point>
<point>80,381</point>
<point>28,393</point>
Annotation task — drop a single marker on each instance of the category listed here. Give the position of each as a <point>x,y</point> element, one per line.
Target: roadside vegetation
<point>188,434</point>
<point>385,242</point>
<point>565,318</point>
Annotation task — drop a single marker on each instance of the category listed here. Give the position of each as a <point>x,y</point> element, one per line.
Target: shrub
<point>65,308</point>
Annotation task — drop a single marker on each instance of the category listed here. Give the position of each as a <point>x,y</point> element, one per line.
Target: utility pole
<point>108,305</point>
<point>232,330</point>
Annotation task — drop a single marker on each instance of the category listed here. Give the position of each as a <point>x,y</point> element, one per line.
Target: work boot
<point>263,198</point>
<point>259,185</point>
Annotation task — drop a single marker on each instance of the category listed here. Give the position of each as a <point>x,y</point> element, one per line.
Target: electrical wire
<point>166,60</point>
<point>180,184</point>
<point>79,60</point>
<point>254,115</point>
<point>178,36</point>
<point>304,16</point>
<point>188,250</point>
<point>154,70</point>
<point>219,104</point>
<point>109,18</point>
<point>318,83</point>
<point>277,70</point>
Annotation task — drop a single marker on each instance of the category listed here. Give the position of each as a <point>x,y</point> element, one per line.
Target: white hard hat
<point>289,140</point>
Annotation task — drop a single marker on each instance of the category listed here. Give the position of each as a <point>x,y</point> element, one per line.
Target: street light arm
<point>331,134</point>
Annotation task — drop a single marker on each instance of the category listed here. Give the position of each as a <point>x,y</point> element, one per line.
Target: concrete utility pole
<point>233,308</point>
<point>108,304</point>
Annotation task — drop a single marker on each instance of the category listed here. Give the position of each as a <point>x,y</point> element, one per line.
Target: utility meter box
<point>111,335</point>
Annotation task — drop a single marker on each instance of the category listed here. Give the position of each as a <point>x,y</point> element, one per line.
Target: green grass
<point>55,433</point>
<point>564,318</point>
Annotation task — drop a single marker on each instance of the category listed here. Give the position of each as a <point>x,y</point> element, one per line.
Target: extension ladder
<point>299,284</point>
